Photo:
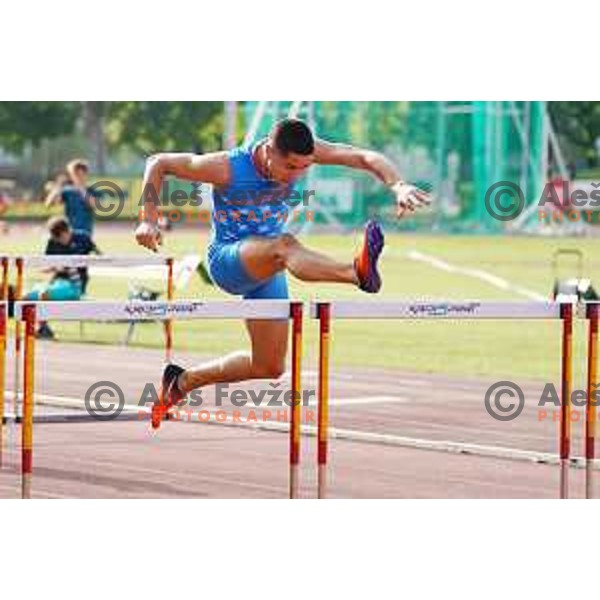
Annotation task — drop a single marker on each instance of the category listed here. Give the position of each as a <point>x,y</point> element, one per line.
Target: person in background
<point>79,200</point>
<point>65,283</point>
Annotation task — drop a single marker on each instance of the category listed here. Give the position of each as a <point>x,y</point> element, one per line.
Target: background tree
<point>29,123</point>
<point>92,114</point>
<point>148,127</point>
<point>577,125</point>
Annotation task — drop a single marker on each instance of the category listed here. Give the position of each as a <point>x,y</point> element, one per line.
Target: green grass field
<point>500,349</point>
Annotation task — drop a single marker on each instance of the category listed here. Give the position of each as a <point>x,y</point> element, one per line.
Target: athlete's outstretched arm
<point>207,168</point>
<point>375,163</point>
<point>408,197</point>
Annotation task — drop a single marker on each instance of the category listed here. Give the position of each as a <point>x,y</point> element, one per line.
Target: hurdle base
<point>26,486</point>
<point>564,478</point>
<point>589,479</point>
<point>294,480</point>
<point>322,482</point>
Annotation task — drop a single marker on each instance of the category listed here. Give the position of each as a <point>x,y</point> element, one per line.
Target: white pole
<point>259,113</point>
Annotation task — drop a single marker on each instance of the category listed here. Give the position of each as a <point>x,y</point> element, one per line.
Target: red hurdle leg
<point>323,424</point>
<point>590,413</point>
<point>17,373</point>
<point>169,322</point>
<point>296,409</point>
<point>566,375</point>
<point>28,387</point>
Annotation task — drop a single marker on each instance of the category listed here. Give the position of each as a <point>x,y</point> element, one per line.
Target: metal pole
<point>323,399</point>
<point>169,322</point>
<point>28,390</point>
<point>17,373</point>
<point>590,413</point>
<point>565,419</point>
<point>296,409</point>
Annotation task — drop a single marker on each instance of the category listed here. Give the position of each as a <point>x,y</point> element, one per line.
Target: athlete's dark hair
<point>58,225</point>
<point>79,164</point>
<point>293,135</point>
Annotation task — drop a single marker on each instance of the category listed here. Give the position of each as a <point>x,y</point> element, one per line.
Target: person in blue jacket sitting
<point>65,283</point>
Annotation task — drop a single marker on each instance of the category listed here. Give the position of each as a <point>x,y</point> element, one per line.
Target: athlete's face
<point>65,237</point>
<point>287,168</point>
<point>79,176</point>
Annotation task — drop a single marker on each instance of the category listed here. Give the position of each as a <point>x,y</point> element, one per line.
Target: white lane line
<point>51,400</point>
<point>480,274</point>
<point>69,401</point>
<point>446,446</point>
<point>384,439</point>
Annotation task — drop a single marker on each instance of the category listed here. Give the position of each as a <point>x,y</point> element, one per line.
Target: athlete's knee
<point>272,369</point>
<point>283,247</point>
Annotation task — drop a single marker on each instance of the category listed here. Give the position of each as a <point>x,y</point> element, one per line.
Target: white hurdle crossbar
<point>433,309</point>
<point>74,261</point>
<point>138,310</point>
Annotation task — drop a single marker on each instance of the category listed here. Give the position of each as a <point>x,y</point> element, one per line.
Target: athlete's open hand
<point>148,235</point>
<point>409,198</point>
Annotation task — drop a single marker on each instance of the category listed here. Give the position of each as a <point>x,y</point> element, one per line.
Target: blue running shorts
<point>227,271</point>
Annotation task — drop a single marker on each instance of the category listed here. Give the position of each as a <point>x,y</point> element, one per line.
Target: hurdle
<point>104,311</point>
<point>592,310</point>
<point>326,312</point>
<point>81,261</point>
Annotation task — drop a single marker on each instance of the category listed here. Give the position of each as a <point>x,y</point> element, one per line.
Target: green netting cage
<point>457,150</point>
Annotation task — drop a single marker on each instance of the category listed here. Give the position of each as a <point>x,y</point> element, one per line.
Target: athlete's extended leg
<point>263,258</point>
<point>265,361</point>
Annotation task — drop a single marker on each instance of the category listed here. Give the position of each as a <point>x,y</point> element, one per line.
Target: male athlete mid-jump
<point>250,252</point>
